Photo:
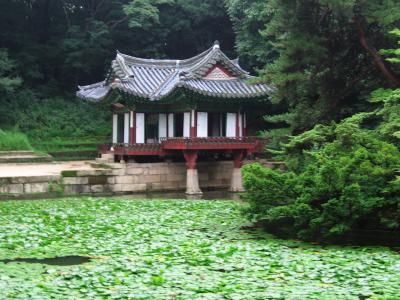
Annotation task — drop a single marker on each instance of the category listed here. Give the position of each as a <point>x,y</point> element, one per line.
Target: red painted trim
<point>191,159</point>
<point>222,68</point>
<point>170,146</point>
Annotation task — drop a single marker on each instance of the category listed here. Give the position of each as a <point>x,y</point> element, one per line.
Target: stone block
<point>149,179</point>
<point>93,172</point>
<point>107,188</point>
<point>41,179</point>
<point>117,172</point>
<point>36,187</point>
<point>177,170</point>
<point>176,177</point>
<point>141,187</point>
<point>111,180</point>
<point>125,179</point>
<point>203,176</point>
<point>76,180</point>
<point>157,170</point>
<point>5,180</point>
<point>134,170</point>
<point>97,180</point>
<point>15,188</point>
<point>97,188</point>
<point>3,188</point>
<point>76,189</point>
<point>116,187</point>
<point>222,175</point>
<point>71,189</point>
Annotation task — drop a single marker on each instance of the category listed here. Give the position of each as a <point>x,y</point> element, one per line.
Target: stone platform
<point>89,178</point>
<point>23,157</point>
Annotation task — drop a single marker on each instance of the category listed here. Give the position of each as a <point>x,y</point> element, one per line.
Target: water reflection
<point>207,195</point>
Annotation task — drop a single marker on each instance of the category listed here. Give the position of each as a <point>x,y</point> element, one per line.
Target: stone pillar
<point>192,175</point>
<point>237,179</point>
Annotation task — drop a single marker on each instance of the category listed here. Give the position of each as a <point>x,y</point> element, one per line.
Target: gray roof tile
<point>154,79</point>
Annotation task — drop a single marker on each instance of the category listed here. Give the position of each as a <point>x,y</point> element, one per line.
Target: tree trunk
<point>379,61</point>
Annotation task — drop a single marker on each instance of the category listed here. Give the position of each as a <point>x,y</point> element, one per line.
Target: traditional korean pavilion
<point>180,107</point>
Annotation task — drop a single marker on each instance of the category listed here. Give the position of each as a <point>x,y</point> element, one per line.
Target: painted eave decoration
<point>210,73</point>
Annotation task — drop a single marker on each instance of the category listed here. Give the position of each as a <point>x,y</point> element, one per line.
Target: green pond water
<point>124,248</point>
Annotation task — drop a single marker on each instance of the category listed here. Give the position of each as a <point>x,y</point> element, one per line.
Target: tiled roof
<point>154,79</point>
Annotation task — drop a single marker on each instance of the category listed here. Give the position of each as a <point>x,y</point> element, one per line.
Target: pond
<point>173,249</point>
<point>207,195</point>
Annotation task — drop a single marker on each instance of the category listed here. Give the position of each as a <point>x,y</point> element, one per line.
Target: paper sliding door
<point>140,128</point>
<point>231,124</point>
<point>202,124</point>
<point>186,124</point>
<point>162,126</point>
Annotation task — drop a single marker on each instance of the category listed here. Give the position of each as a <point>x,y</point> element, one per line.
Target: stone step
<point>13,153</point>
<point>25,158</point>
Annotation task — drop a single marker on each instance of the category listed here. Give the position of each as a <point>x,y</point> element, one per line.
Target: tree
<point>327,63</point>
<point>340,177</point>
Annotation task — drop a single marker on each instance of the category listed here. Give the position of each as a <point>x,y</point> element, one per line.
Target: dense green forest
<point>48,47</point>
<point>323,56</point>
<point>334,64</point>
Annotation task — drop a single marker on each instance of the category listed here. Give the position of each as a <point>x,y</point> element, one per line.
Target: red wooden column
<point>192,176</point>
<point>237,125</point>
<point>244,124</point>
<point>238,157</point>
<point>237,180</point>
<point>191,159</point>
<point>132,127</point>
<point>193,123</point>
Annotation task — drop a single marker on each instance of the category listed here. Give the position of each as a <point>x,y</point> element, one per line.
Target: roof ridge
<point>172,62</point>
<point>93,85</point>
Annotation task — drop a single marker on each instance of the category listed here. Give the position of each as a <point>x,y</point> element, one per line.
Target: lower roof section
<point>232,88</point>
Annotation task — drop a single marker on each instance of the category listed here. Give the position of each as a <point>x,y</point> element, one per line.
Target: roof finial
<point>216,45</point>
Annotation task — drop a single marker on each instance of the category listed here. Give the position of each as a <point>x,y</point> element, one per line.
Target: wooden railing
<point>254,144</point>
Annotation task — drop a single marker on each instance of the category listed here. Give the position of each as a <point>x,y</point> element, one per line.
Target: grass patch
<point>175,249</point>
<point>13,141</point>
<point>56,186</point>
<point>69,173</point>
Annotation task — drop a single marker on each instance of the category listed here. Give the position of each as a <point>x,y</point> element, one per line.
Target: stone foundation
<point>129,178</point>
<point>28,184</point>
<point>146,177</point>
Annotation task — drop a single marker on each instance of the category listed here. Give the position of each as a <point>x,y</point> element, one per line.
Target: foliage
<point>160,249</point>
<point>250,19</point>
<point>340,177</point>
<point>47,118</point>
<point>13,140</point>
<point>56,186</point>
<point>8,82</point>
<point>52,46</point>
<point>345,184</point>
<point>321,55</point>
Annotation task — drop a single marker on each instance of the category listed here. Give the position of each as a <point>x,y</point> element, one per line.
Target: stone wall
<point>145,177</point>
<point>120,178</point>
<point>28,184</point>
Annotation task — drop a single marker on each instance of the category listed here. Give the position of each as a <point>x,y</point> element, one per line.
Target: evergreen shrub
<point>339,177</point>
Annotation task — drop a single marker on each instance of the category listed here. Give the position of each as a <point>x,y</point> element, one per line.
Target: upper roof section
<point>210,73</point>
